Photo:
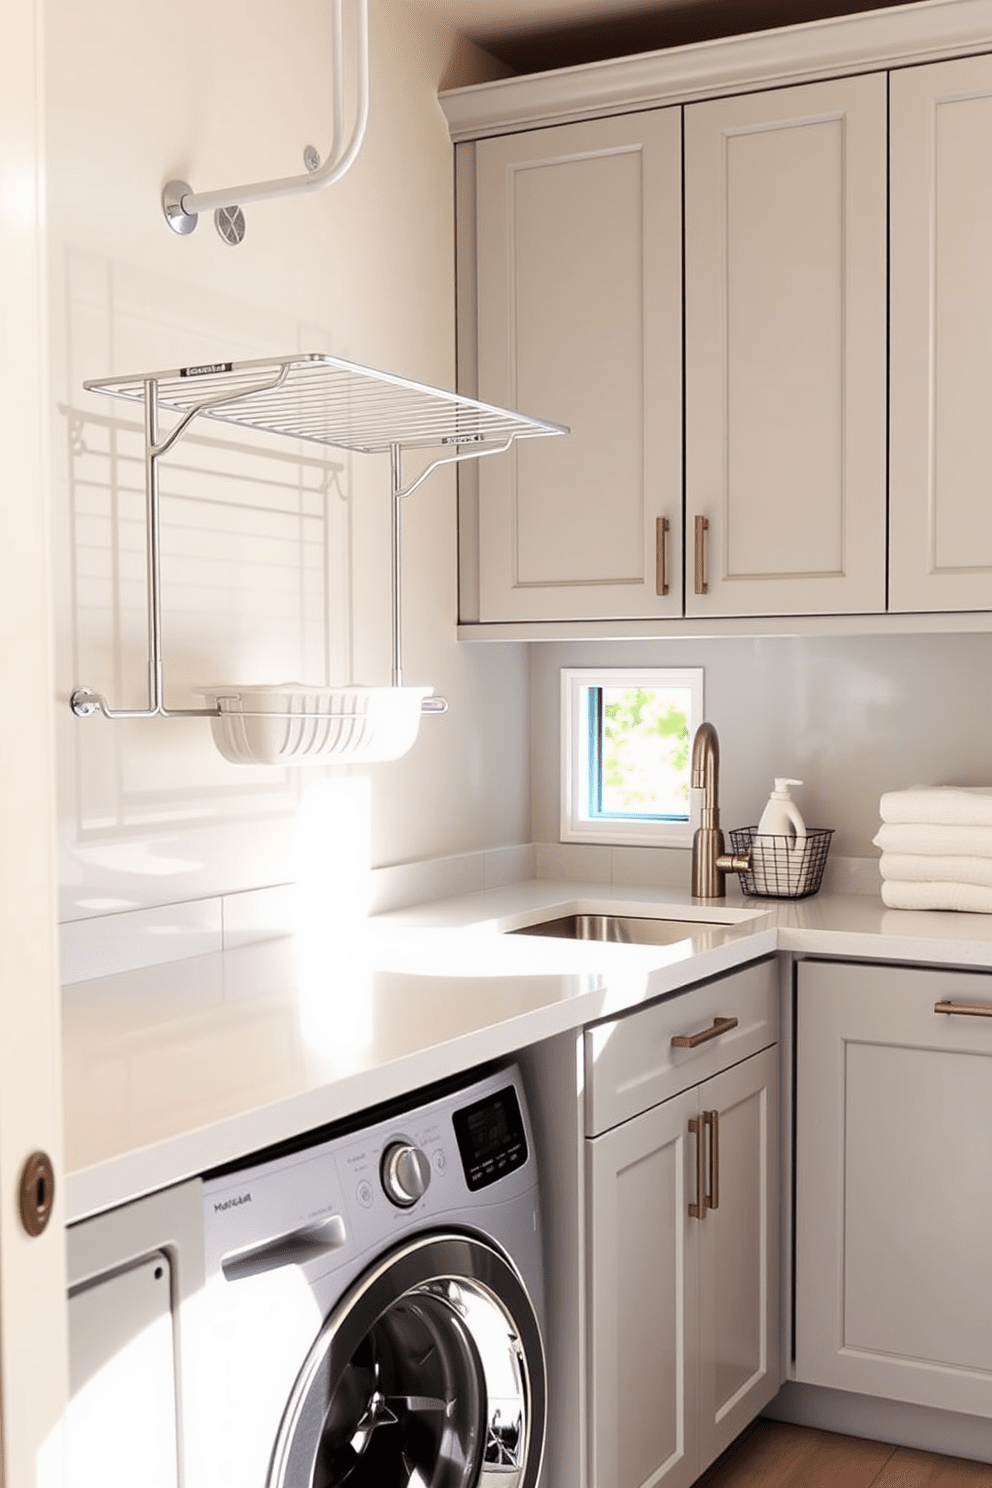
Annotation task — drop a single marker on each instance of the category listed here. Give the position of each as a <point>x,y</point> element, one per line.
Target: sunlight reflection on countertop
<point>172,1069</point>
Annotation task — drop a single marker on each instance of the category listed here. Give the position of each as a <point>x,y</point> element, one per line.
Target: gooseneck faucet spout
<point>706,773</point>
<point>710,864</point>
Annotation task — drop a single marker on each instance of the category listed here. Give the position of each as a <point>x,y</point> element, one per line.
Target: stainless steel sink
<point>630,929</point>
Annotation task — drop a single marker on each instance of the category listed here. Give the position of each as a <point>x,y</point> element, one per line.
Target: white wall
<point>851,717</point>
<point>266,578</point>
<point>149,812</point>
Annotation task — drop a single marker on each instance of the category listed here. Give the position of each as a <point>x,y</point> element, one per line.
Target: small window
<point>626,736</point>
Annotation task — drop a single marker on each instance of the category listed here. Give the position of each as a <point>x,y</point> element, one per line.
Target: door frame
<point>33,1350</point>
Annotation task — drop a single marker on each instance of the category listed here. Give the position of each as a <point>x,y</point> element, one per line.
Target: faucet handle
<point>734,862</point>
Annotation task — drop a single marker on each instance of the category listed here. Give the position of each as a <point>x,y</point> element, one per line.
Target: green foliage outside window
<point>645,752</point>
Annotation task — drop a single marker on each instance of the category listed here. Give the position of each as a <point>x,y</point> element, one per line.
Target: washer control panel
<point>491,1138</point>
<point>341,1197</point>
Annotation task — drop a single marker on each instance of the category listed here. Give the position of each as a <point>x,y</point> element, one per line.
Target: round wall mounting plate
<point>230,223</point>
<point>172,205</point>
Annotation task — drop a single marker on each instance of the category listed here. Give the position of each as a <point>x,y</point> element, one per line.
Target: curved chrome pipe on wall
<point>182,205</point>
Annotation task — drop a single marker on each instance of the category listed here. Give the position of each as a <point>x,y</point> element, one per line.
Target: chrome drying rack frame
<point>324,400</point>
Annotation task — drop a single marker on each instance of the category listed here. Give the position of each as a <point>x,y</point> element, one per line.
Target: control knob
<point>405,1173</point>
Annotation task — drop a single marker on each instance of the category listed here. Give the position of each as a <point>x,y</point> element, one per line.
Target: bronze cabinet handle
<point>964,1009</point>
<point>698,1210</point>
<point>711,1122</point>
<point>662,527</point>
<point>693,1040</point>
<point>702,526</point>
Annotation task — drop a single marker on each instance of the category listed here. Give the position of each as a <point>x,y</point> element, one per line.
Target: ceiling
<point>535,35</point>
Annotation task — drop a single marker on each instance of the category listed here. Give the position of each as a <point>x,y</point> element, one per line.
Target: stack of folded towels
<point>936,846</point>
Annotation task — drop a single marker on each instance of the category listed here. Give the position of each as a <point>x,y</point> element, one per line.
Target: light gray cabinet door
<point>578,233</point>
<point>894,1184</point>
<point>684,1299</point>
<point>785,279</point>
<point>941,434</point>
<point>739,1289</point>
<point>643,1334</point>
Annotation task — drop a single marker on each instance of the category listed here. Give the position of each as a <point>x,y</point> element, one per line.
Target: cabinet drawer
<point>630,1064</point>
<point>915,1006</point>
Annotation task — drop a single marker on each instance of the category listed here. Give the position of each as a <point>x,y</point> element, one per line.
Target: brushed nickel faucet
<point>710,864</point>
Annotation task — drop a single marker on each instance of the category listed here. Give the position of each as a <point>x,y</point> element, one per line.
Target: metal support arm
<point>182,205</point>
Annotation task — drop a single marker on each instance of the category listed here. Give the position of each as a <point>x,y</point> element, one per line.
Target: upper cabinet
<point>941,338</point>
<point>815,336</point>
<point>785,285</point>
<point>579,233</point>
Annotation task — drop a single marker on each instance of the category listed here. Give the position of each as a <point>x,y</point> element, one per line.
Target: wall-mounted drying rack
<point>182,205</point>
<point>332,402</point>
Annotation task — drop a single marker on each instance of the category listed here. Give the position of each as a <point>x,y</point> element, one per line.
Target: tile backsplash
<point>102,945</point>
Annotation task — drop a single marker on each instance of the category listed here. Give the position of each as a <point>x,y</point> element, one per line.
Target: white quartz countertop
<point>177,1068</point>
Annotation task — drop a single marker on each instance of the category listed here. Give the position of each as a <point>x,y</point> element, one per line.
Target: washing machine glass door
<point>428,1374</point>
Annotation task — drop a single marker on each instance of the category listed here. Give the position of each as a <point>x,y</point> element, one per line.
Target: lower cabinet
<point>683,1302</point>
<point>894,1183</point>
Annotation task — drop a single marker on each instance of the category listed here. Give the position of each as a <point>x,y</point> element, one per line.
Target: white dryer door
<point>429,1373</point>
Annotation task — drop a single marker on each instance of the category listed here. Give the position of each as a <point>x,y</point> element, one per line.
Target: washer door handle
<point>293,1249</point>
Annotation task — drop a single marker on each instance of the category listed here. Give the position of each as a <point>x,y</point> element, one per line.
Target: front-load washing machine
<point>372,1308</point>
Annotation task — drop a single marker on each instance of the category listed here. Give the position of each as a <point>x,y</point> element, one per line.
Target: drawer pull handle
<point>661,530</point>
<point>711,1120</point>
<point>693,1040</point>
<point>698,1210</point>
<point>964,1009</point>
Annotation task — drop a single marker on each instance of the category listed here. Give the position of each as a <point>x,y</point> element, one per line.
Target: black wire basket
<point>782,868</point>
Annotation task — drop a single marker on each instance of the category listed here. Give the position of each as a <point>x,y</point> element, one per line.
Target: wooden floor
<point>776,1455</point>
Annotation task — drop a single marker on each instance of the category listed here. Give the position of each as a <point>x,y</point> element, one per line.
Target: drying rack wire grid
<point>331,401</point>
<point>781,867</point>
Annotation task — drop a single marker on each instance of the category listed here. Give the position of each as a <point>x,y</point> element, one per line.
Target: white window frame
<point>576,824</point>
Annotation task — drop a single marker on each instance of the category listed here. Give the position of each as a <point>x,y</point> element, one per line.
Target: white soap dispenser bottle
<point>781,817</point>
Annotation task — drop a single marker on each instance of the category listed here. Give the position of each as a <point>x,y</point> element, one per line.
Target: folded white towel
<point>948,805</point>
<point>973,898</point>
<point>921,837</point>
<point>929,868</point>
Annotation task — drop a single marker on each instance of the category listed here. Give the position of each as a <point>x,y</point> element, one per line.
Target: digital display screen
<point>491,1138</point>
<point>488,1128</point>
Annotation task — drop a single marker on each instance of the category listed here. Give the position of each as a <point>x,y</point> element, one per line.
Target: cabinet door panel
<point>643,1300</point>
<point>904,1182</point>
<point>894,1185</point>
<point>580,320</point>
<point>785,269</point>
<point>941,435</point>
<point>739,1255</point>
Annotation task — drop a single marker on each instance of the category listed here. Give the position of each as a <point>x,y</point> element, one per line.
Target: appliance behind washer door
<point>429,1374</point>
<point>120,1420</point>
